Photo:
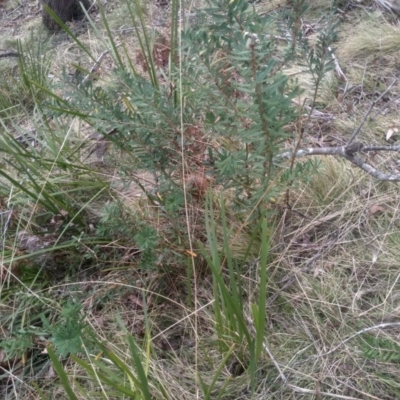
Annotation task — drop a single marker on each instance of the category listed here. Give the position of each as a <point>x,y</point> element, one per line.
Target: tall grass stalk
<point>144,41</point>
<point>61,373</point>
<point>231,320</point>
<point>228,307</point>
<point>259,308</point>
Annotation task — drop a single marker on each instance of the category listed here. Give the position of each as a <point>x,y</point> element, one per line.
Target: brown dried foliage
<point>161,52</point>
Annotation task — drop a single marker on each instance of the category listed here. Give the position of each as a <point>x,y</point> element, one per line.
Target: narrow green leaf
<point>260,324</point>
<point>217,373</point>
<point>104,378</point>
<point>110,36</point>
<point>144,41</point>
<point>139,368</point>
<point>61,373</point>
<point>66,29</point>
<point>225,294</point>
<point>32,195</point>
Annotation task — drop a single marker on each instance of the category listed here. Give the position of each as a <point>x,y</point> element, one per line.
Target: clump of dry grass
<point>303,78</point>
<point>342,276</point>
<point>333,271</point>
<point>372,37</point>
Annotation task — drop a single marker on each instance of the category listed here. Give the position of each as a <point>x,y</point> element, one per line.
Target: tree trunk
<point>66,10</point>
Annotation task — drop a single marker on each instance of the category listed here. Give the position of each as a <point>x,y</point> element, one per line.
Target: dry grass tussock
<point>370,38</point>
<point>337,265</point>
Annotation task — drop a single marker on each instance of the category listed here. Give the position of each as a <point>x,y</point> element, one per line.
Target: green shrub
<point>227,88</point>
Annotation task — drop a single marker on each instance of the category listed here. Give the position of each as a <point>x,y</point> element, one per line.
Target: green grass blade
<point>252,367</point>
<point>260,320</point>
<point>61,373</point>
<point>66,29</point>
<point>234,276</point>
<point>48,206</point>
<point>204,387</point>
<point>39,391</point>
<point>144,41</point>
<point>121,365</point>
<point>207,394</point>
<point>104,378</point>
<point>214,260</point>
<point>139,368</point>
<point>110,36</point>
<point>231,305</point>
<point>174,34</point>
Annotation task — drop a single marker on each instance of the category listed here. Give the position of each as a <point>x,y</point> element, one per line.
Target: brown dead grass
<point>334,264</point>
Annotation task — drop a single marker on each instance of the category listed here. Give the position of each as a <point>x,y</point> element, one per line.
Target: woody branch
<point>348,152</point>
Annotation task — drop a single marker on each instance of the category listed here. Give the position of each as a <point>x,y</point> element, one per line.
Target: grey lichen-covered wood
<point>67,10</point>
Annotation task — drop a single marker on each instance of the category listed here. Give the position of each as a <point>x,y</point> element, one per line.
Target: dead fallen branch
<point>348,152</point>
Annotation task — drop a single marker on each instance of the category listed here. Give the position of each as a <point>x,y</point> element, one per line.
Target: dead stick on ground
<point>357,131</point>
<point>370,328</point>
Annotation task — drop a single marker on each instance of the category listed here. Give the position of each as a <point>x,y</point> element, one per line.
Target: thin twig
<point>357,131</point>
<point>278,368</point>
<point>285,379</point>
<point>94,66</point>
<point>314,392</point>
<point>371,328</point>
<point>289,280</point>
<point>339,70</point>
<point>386,105</point>
<point>5,225</point>
<point>334,151</point>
